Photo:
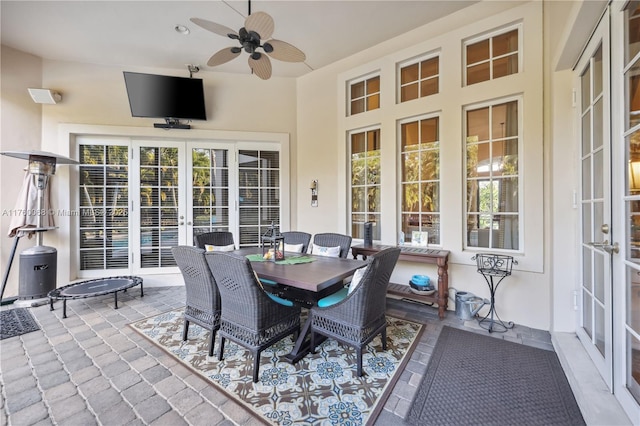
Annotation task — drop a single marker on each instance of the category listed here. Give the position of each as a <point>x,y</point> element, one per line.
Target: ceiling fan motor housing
<point>250,40</point>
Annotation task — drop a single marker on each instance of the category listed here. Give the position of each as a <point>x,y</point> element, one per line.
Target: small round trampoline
<point>92,288</point>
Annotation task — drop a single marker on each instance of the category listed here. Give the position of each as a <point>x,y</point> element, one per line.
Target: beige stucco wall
<point>21,128</point>
<point>561,168</point>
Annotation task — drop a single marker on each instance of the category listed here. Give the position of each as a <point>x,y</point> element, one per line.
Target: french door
<point>139,198</point>
<point>610,312</point>
<point>178,189</point>
<point>595,293</point>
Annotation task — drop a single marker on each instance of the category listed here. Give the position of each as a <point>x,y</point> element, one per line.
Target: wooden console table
<point>421,255</point>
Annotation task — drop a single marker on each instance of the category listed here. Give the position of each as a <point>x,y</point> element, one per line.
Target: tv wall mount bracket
<point>193,69</point>
<point>171,123</point>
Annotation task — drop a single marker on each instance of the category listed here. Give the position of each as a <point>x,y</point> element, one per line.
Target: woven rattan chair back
<point>329,239</point>
<point>297,237</point>
<point>202,304</point>
<point>360,316</point>
<point>249,317</point>
<point>215,238</point>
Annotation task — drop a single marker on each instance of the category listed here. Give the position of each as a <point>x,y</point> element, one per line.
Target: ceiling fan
<point>256,34</point>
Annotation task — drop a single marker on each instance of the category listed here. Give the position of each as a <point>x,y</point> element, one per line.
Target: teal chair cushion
<point>334,298</point>
<point>268,282</point>
<point>280,300</point>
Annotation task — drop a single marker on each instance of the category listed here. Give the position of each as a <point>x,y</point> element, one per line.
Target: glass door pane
<point>210,198</point>
<point>104,206</point>
<point>159,205</point>
<point>259,193</point>
<point>632,343</point>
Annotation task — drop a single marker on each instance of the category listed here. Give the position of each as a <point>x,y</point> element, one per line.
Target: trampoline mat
<point>98,287</point>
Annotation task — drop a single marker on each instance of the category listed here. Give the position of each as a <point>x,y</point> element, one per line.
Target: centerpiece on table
<point>273,244</point>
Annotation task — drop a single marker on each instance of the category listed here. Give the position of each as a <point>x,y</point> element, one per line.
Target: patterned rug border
<point>194,370</point>
<point>375,411</point>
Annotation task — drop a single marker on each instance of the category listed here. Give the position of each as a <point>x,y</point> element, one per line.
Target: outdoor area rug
<point>16,321</point>
<point>322,388</point>
<point>476,379</point>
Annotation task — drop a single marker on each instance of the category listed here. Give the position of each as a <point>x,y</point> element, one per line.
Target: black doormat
<point>475,379</point>
<point>17,321</point>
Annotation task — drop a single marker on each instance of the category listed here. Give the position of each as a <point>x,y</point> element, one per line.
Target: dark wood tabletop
<point>314,276</point>
<point>304,284</point>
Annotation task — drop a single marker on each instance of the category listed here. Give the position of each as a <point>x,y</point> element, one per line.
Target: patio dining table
<point>303,283</point>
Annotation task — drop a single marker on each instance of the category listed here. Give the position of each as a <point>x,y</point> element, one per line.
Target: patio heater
<point>38,264</point>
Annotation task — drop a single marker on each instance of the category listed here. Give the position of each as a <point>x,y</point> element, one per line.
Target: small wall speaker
<point>45,96</point>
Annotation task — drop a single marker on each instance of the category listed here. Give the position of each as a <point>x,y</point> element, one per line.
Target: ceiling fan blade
<point>223,56</point>
<point>213,27</point>
<point>261,67</point>
<point>261,23</point>
<point>284,51</point>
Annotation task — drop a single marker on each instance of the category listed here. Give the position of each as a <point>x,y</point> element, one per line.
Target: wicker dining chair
<point>249,316</point>
<point>215,238</point>
<point>330,239</point>
<point>203,298</point>
<point>297,237</point>
<point>360,316</point>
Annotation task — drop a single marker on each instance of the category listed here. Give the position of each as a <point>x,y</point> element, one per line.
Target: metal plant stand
<point>492,267</point>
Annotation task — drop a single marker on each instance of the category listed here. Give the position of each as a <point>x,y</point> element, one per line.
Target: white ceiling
<point>141,33</point>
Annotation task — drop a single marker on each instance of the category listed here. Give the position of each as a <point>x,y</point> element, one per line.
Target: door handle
<point>609,248</point>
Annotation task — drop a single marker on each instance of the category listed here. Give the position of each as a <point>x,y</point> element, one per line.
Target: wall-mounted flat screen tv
<point>161,96</point>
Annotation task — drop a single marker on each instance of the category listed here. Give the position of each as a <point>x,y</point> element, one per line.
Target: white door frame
<point>68,134</point>
<point>603,361</point>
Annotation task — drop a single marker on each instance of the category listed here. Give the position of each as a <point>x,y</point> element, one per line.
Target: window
<point>104,207</point>
<point>420,181</point>
<point>492,141</point>
<point>491,58</point>
<point>632,32</point>
<point>419,79</point>
<point>364,95</point>
<point>365,182</point>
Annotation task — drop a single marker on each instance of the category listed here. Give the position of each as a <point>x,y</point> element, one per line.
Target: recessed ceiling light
<point>182,29</point>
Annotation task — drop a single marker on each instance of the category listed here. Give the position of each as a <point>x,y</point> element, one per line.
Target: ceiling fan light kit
<point>258,26</point>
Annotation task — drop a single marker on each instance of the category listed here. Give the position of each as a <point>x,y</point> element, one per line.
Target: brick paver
<point>92,369</point>
<point>62,409</point>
